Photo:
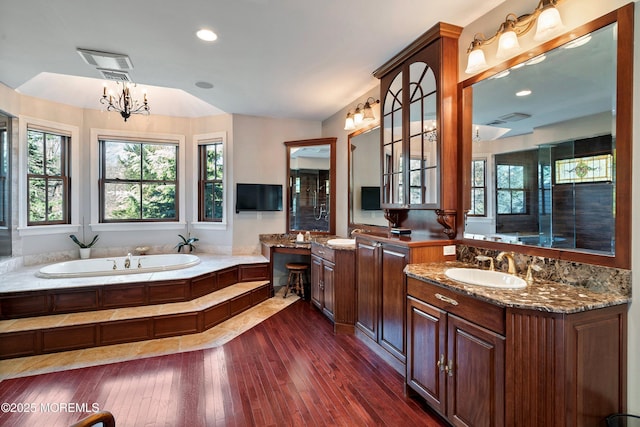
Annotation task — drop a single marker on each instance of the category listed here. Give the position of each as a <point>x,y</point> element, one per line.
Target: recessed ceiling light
<point>207,35</point>
<point>536,60</point>
<point>524,92</point>
<point>501,74</point>
<point>204,85</point>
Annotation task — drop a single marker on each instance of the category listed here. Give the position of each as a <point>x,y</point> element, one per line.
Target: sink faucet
<point>510,259</point>
<point>356,230</point>
<point>127,261</point>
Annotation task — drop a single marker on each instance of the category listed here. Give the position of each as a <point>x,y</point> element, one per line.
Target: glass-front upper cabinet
<point>418,89</point>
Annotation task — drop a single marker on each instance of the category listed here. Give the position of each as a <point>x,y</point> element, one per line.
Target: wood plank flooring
<point>288,370</point>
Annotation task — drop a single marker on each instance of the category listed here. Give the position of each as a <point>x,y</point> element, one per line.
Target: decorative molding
<point>447,218</point>
<point>395,216</point>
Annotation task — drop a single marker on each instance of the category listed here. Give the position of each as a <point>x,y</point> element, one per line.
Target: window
<point>478,188</point>
<point>510,189</point>
<point>138,181</point>
<point>211,182</point>
<point>47,178</point>
<point>4,176</point>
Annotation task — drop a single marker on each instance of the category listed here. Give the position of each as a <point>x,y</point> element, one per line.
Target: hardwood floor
<point>288,370</point>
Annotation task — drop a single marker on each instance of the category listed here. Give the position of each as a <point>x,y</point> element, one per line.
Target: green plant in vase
<point>186,243</point>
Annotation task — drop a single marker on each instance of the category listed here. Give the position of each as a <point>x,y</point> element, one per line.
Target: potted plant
<point>186,243</point>
<point>85,248</point>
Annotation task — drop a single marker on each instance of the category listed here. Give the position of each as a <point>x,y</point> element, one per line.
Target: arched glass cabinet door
<point>424,144</point>
<point>392,144</point>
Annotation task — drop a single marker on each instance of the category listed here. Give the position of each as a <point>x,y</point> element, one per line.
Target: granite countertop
<point>541,295</point>
<point>289,241</point>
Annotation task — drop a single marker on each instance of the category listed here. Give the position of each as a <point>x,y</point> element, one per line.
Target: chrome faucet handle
<point>483,258</point>
<point>115,267</point>
<point>356,230</point>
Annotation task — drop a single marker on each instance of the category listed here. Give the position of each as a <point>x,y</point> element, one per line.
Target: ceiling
<point>274,58</point>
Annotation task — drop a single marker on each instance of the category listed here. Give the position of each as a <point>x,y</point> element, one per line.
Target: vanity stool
<point>295,283</point>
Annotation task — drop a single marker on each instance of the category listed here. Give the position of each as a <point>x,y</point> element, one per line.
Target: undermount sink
<point>341,242</point>
<point>490,279</point>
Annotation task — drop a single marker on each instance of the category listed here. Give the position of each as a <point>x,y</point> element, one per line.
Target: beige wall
<point>255,153</point>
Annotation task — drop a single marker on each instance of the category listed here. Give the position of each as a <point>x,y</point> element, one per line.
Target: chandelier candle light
<point>124,103</point>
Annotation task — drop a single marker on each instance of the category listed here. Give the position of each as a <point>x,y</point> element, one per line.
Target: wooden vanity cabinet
<point>479,364</point>
<point>454,363</point>
<point>381,292</point>
<point>333,285</point>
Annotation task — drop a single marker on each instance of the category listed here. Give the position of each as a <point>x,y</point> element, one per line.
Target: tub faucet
<point>510,259</point>
<point>127,261</point>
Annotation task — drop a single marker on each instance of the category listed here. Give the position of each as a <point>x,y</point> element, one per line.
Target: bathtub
<point>116,265</point>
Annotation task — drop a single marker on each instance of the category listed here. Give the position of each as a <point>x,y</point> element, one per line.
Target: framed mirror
<point>311,188</point>
<point>364,179</point>
<point>547,148</point>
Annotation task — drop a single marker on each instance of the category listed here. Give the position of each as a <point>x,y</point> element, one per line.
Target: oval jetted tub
<point>118,265</point>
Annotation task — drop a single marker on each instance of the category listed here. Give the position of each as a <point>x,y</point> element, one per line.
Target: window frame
<point>512,190</point>
<point>46,177</point>
<point>98,134</point>
<point>203,172</point>
<point>103,181</point>
<point>26,123</point>
<point>483,188</point>
<point>205,139</point>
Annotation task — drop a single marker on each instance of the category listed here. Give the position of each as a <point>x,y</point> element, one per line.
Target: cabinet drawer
<point>480,312</point>
<point>323,252</point>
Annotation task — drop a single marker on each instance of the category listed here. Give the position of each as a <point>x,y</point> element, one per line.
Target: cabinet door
<point>423,151</point>
<point>392,154</point>
<point>426,352</point>
<point>475,374</point>
<point>368,287</point>
<point>316,281</point>
<point>393,307</point>
<point>328,288</point>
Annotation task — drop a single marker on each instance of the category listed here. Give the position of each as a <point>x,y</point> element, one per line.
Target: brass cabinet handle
<point>440,363</point>
<point>449,368</point>
<point>446,299</point>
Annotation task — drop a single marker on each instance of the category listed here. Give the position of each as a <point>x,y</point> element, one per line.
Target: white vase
<point>85,253</point>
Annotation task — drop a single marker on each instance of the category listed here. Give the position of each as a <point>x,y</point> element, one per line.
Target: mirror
<point>546,162</point>
<point>311,166</point>
<point>364,179</point>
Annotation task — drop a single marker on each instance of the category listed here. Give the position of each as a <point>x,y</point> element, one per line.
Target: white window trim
<point>96,135</point>
<point>74,173</point>
<point>198,140</point>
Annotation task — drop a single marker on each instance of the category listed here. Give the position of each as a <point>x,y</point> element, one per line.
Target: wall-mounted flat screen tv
<point>258,197</point>
<point>370,198</point>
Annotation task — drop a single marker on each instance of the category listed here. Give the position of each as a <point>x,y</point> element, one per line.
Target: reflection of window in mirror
<point>478,188</point>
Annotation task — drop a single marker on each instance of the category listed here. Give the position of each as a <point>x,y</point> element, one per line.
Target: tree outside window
<point>47,178</point>
<point>138,181</point>
<point>510,190</point>
<point>210,181</point>
<point>478,188</point>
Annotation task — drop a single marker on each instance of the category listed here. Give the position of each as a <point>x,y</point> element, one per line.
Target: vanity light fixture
<point>124,102</point>
<point>362,113</point>
<point>549,24</point>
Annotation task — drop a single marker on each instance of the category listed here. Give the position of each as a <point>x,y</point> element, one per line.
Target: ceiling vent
<point>514,117</point>
<point>112,61</point>
<point>118,76</point>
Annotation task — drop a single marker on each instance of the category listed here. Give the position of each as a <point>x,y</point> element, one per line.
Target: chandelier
<point>124,103</point>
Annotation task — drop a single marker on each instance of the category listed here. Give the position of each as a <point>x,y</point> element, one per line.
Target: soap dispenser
<point>300,237</point>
